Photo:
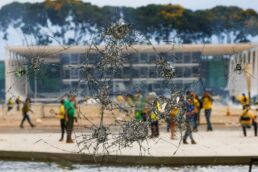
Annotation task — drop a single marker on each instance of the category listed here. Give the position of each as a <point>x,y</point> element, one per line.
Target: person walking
<point>189,121</point>
<point>61,115</point>
<point>139,106</point>
<point>197,109</point>
<point>173,113</point>
<point>129,104</point>
<point>10,104</point>
<point>207,106</point>
<point>247,119</point>
<point>70,106</point>
<point>18,103</point>
<point>25,110</point>
<point>154,118</point>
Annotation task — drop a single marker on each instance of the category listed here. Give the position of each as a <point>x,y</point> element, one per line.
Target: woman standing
<point>62,119</point>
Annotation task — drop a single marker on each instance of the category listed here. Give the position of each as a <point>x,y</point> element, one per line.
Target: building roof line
<point>205,49</point>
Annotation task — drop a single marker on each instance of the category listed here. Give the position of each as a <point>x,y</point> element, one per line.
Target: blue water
<point>12,166</point>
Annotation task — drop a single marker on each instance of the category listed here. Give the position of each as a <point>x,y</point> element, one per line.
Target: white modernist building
<point>61,68</point>
<point>243,66</point>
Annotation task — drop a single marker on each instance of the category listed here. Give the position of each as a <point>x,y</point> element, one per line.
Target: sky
<point>191,4</point>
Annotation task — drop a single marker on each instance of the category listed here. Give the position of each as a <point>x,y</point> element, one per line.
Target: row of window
<point>128,87</point>
<point>138,58</point>
<point>127,72</point>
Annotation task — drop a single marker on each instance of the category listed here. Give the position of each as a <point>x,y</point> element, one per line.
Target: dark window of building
<point>98,73</point>
<point>65,58</point>
<point>118,74</point>
<point>152,72</point>
<point>108,74</point>
<point>144,58</point>
<point>187,72</point>
<point>83,86</point>
<point>135,73</point>
<point>83,58</point>
<point>133,58</point>
<point>187,86</point>
<point>169,57</point>
<point>196,54</point>
<point>126,84</point>
<point>196,71</point>
<point>144,72</point>
<point>156,86</point>
<point>187,57</point>
<point>152,58</point>
<point>126,72</point>
<point>75,84</point>
<point>179,58</point>
<point>75,59</point>
<point>66,86</point>
<point>66,74</point>
<point>179,72</point>
<point>74,73</point>
<point>93,58</point>
<point>163,56</point>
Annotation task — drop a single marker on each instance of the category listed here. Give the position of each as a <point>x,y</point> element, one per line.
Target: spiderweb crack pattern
<point>131,131</point>
<point>101,137</point>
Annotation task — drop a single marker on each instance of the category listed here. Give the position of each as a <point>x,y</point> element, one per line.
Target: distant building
<point>237,82</point>
<point>61,69</point>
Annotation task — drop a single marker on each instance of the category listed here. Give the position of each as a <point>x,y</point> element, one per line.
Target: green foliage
<point>156,22</point>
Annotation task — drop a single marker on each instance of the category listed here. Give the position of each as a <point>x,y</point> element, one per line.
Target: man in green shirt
<point>70,105</point>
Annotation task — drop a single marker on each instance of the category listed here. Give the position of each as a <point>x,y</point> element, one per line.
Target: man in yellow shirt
<point>197,108</point>
<point>10,104</point>
<point>25,112</point>
<point>154,117</point>
<point>247,119</point>
<point>173,113</point>
<point>207,106</point>
<point>61,115</point>
<point>244,100</point>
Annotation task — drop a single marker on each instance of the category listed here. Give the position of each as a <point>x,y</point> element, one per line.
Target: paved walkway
<point>217,143</point>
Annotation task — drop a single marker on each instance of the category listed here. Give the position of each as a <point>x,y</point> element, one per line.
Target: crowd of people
<point>147,109</point>
<point>66,114</point>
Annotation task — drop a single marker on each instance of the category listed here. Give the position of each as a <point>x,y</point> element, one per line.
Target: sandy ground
<point>89,114</point>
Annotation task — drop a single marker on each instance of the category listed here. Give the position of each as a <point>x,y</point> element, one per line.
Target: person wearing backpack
<point>244,101</point>
<point>247,119</point>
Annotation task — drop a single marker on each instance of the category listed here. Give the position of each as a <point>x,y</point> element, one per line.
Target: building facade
<point>61,71</point>
<point>241,65</point>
